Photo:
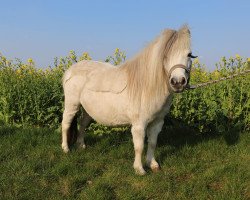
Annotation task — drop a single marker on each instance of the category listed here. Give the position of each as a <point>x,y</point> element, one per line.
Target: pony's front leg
<point>138,133</point>
<point>152,132</point>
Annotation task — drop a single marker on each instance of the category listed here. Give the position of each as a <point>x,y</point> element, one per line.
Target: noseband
<point>187,70</point>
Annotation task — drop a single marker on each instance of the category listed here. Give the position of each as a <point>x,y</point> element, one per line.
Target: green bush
<point>32,96</point>
<point>218,107</point>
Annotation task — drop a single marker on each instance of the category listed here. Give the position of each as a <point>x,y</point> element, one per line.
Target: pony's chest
<point>163,108</point>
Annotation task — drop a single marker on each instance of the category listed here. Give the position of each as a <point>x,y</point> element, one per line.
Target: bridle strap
<point>177,66</point>
<point>168,73</point>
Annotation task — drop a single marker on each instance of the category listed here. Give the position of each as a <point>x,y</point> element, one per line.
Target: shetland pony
<point>138,92</point>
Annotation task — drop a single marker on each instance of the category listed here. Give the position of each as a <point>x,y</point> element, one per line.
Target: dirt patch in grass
<point>184,177</point>
<point>216,185</point>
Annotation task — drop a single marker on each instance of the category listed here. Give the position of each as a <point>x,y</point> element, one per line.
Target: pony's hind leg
<point>85,120</point>
<point>68,116</point>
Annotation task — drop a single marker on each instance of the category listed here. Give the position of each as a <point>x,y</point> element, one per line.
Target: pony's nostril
<point>173,81</point>
<point>183,81</point>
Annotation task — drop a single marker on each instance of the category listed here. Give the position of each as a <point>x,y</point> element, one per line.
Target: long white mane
<point>146,72</point>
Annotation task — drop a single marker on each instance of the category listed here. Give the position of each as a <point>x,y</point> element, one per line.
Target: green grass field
<point>194,166</point>
<point>210,163</point>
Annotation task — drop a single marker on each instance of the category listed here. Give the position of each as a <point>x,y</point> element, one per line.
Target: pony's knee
<point>70,110</point>
<point>138,129</point>
<point>155,128</point>
<point>152,143</point>
<point>68,118</point>
<point>138,133</point>
<point>66,123</point>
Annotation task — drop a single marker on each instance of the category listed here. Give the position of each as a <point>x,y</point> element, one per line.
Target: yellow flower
<point>117,50</point>
<point>248,60</point>
<point>237,56</point>
<point>23,67</point>
<point>85,56</point>
<point>47,71</point>
<point>18,71</point>
<point>31,71</point>
<point>216,74</point>
<point>30,60</point>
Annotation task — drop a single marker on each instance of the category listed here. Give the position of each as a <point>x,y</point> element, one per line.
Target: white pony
<point>138,92</point>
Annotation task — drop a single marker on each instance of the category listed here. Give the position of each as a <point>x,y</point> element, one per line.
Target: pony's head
<point>162,67</point>
<point>177,59</point>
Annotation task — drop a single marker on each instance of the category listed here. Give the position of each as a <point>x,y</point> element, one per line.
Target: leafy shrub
<point>218,107</point>
<point>33,96</point>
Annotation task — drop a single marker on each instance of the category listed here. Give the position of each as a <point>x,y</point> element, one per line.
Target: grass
<point>194,166</point>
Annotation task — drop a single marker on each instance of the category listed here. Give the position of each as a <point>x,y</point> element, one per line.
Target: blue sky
<point>45,29</point>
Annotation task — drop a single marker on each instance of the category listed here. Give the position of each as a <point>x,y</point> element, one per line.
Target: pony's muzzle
<point>178,84</point>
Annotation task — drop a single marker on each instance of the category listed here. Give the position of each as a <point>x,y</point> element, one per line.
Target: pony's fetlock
<point>65,148</point>
<point>140,171</point>
<point>153,165</point>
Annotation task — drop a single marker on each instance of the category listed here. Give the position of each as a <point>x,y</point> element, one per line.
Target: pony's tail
<point>66,77</point>
<point>72,133</point>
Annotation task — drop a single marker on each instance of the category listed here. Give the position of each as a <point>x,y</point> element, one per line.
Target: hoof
<point>65,149</point>
<point>154,166</point>
<point>81,145</point>
<point>140,172</point>
<point>155,169</point>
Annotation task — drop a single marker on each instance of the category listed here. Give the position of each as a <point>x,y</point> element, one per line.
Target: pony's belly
<point>105,108</point>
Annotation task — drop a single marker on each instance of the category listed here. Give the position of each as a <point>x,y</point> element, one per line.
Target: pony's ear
<point>184,29</point>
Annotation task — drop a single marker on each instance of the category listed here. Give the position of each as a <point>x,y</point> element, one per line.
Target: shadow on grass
<point>178,134</point>
<point>232,137</point>
<point>174,133</point>
<point>114,138</point>
<point>8,130</point>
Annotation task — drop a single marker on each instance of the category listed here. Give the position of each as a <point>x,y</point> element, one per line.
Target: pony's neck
<point>146,76</point>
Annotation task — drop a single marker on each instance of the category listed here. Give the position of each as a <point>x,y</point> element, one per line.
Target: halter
<point>187,70</point>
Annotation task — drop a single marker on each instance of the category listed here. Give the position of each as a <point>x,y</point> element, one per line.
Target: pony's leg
<point>85,120</point>
<point>138,133</point>
<point>68,116</point>
<point>152,132</point>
